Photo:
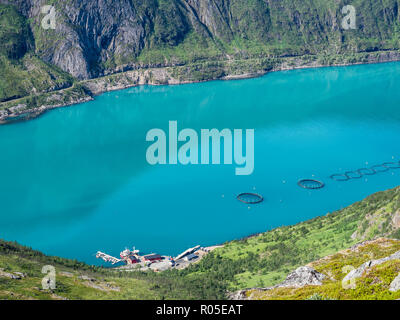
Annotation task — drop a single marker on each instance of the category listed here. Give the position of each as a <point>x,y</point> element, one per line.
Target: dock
<point>107,258</point>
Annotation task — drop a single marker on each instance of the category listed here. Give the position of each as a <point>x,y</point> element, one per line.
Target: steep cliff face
<point>95,37</point>
<point>89,33</point>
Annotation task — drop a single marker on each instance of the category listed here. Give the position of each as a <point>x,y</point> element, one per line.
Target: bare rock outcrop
<point>395,285</point>
<point>357,273</point>
<point>14,276</point>
<point>301,277</point>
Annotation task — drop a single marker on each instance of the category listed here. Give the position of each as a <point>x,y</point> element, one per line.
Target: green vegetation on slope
<point>266,259</point>
<point>21,72</point>
<point>255,28</point>
<point>200,40</point>
<point>15,35</point>
<point>373,284</point>
<point>75,280</point>
<point>262,260</point>
<point>168,32</point>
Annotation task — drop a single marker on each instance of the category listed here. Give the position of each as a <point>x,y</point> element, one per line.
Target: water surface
<point>76,180</point>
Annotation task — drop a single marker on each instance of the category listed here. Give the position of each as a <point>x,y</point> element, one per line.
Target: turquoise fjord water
<point>76,180</point>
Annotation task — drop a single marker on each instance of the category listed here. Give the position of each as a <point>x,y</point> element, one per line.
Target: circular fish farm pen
<point>250,198</point>
<point>380,168</point>
<point>339,177</point>
<point>353,174</point>
<point>392,165</point>
<point>359,173</point>
<point>366,171</point>
<point>310,184</point>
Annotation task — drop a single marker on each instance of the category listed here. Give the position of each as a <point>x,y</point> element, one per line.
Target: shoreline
<point>36,112</point>
<point>86,90</point>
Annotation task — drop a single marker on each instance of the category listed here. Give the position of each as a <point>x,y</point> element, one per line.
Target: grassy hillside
<point>76,280</point>
<point>21,72</point>
<point>266,259</point>
<point>374,284</point>
<point>259,261</point>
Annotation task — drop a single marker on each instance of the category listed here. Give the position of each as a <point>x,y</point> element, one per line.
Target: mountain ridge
<point>94,37</point>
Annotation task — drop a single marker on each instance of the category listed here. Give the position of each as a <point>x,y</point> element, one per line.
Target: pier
<point>107,257</point>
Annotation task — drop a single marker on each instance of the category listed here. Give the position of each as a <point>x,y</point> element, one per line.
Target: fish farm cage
<point>359,173</point>
<point>310,184</point>
<point>250,198</point>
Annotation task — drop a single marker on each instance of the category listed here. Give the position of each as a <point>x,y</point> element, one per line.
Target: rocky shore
<point>30,107</point>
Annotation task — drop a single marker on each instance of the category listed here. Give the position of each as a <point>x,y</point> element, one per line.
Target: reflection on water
<point>76,180</point>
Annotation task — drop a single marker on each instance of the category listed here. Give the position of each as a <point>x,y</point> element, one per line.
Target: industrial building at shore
<point>132,260</point>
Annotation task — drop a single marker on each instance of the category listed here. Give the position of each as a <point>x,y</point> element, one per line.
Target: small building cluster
<point>153,260</point>
<point>133,257</point>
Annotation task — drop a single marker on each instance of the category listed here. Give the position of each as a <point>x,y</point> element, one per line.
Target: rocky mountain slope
<point>98,37</point>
